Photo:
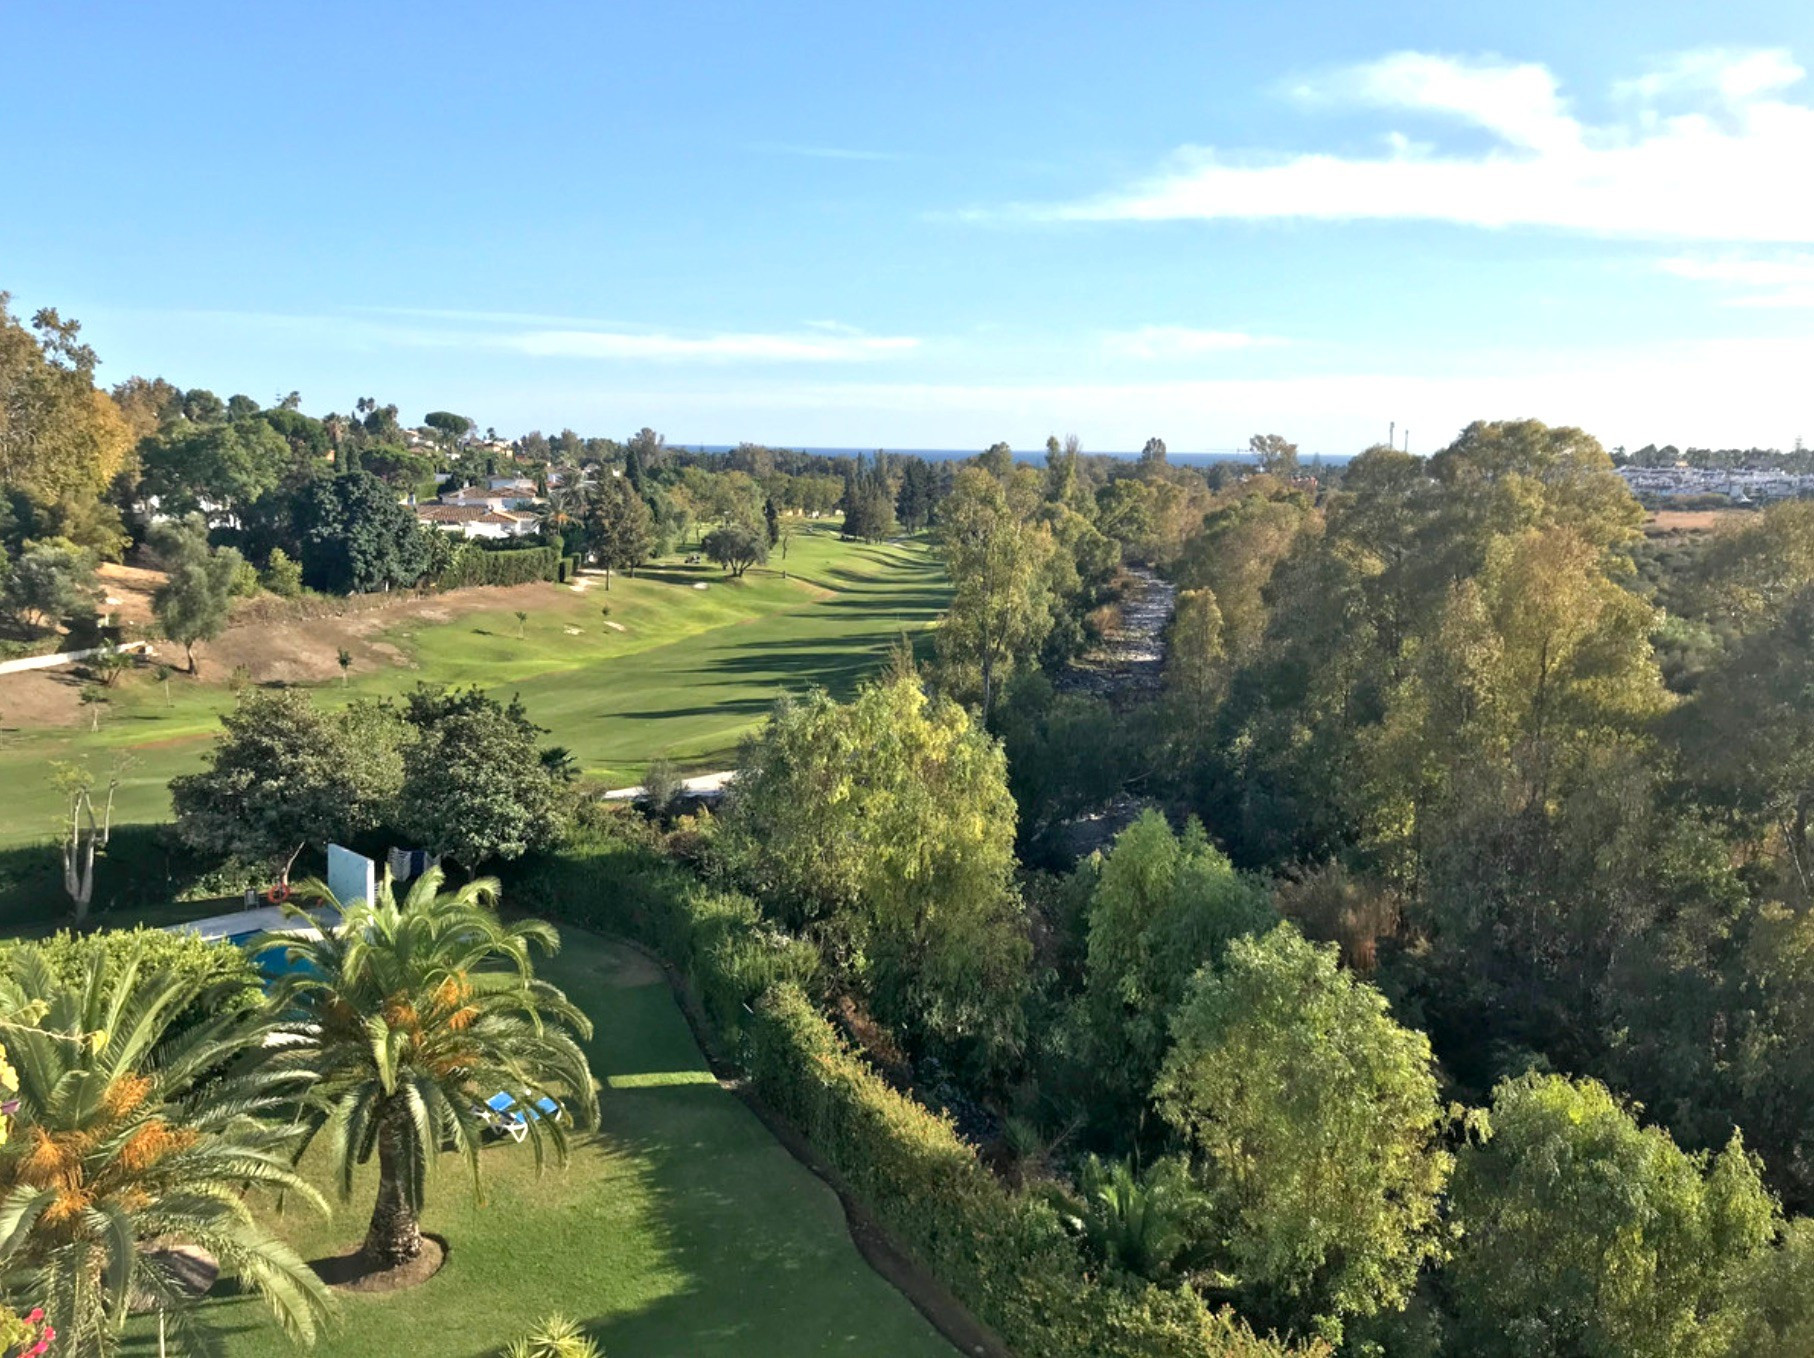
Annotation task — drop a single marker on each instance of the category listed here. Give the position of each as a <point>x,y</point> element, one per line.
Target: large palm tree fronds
<point>132,1137</point>
<point>409,1016</point>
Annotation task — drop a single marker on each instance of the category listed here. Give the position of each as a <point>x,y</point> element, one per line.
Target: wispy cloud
<point>557,338</point>
<point>1707,146</point>
<point>758,348</point>
<point>1176,341</point>
<point>1777,281</point>
<point>1711,393</point>
<point>777,148</point>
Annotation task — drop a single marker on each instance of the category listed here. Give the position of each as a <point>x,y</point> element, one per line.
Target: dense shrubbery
<point>474,565</point>
<point>1005,1254</point>
<point>205,962</point>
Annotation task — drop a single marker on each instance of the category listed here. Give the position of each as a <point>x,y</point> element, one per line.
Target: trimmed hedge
<point>1004,1254</point>
<point>473,565</point>
<point>224,974</point>
<point>718,941</point>
<point>211,962</point>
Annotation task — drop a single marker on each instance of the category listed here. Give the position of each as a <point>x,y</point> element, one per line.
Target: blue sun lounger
<point>506,1117</point>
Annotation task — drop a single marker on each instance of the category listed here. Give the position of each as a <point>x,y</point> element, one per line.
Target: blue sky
<point>935,226</point>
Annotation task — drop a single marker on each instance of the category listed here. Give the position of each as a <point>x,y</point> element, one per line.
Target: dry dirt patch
<point>296,650</point>
<point>41,698</point>
<point>1665,523</point>
<point>128,590</point>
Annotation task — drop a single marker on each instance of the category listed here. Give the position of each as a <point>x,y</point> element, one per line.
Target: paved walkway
<point>705,782</point>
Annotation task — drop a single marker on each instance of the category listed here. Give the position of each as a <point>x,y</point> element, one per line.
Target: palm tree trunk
<point>395,1235</point>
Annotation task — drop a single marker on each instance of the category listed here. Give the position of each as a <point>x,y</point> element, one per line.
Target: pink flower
<point>37,1314</point>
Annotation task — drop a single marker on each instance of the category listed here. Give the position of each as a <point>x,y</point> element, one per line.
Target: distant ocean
<point>1036,455</point>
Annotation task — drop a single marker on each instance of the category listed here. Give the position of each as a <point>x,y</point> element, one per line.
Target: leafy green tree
<point>1161,907</point>
<point>868,501</point>
<point>1530,666</point>
<point>619,527</point>
<point>1516,476</point>
<point>1779,1314</point>
<point>131,1136</point>
<point>50,581</point>
<point>285,774</point>
<point>888,822</point>
<point>355,537</point>
<point>1275,455</point>
<point>1000,609</point>
<point>475,787</point>
<point>918,496</point>
<point>410,1015</point>
<point>1747,574</point>
<point>59,437</point>
<point>450,429</point>
<point>1748,740</point>
<point>196,599</point>
<point>1317,1126</point>
<point>736,548</point>
<point>1246,535</point>
<point>282,575</point>
<point>1196,657</point>
<point>644,451</point>
<point>1581,1232</point>
<point>217,468</point>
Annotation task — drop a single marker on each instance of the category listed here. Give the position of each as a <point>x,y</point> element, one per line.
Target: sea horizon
<point>1037,456</point>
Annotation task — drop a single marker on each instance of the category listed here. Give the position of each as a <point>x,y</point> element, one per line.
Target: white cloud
<point>831,347</point>
<point>1779,281</point>
<point>1176,341</point>
<point>1716,70</point>
<point>555,337</point>
<point>1519,103</point>
<point>1717,394</point>
<point>1733,167</point>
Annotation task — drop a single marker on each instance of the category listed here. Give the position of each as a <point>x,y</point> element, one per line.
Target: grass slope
<point>682,1228</point>
<point>689,673</point>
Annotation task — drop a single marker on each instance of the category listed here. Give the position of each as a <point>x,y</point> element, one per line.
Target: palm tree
<point>411,1016</point>
<point>1153,1224</point>
<point>562,511</point>
<point>135,1134</point>
<point>555,1337</point>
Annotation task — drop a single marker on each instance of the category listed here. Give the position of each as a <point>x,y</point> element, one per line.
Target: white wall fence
<point>45,662</point>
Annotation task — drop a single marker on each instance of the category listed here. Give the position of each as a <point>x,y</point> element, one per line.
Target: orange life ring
<point>278,894</point>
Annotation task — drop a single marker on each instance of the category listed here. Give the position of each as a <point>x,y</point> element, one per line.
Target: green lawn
<point>689,673</point>
<point>683,1228</point>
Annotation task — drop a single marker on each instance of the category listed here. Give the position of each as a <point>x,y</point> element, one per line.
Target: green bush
<point>245,580</point>
<point>1004,1254</point>
<point>717,940</point>
<point>283,576</point>
<point>210,961</point>
<point>473,565</point>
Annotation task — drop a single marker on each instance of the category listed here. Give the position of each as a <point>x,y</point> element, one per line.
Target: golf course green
<point>672,671</point>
